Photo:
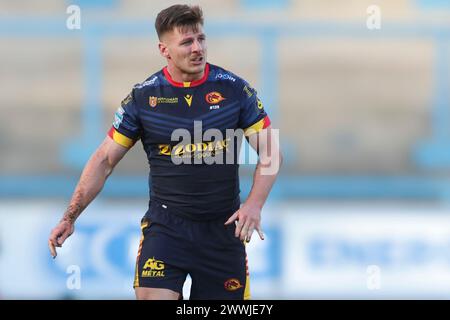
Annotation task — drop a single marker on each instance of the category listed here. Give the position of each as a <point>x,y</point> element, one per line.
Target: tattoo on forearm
<point>72,213</point>
<point>88,187</point>
<point>74,209</point>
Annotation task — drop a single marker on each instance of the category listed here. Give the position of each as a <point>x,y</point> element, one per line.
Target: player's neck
<point>180,76</point>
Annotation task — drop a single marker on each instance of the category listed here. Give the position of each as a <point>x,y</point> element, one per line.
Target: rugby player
<point>195,223</point>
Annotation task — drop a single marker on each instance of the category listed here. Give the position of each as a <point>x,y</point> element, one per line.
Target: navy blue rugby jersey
<point>183,176</point>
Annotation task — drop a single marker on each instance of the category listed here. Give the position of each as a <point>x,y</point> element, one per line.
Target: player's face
<point>185,50</point>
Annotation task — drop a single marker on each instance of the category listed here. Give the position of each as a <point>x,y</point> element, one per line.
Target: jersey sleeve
<point>126,128</point>
<point>252,118</point>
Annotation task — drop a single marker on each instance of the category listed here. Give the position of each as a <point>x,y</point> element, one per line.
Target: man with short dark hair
<point>194,224</point>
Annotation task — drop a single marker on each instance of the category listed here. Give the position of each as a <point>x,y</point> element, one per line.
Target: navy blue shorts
<point>173,246</point>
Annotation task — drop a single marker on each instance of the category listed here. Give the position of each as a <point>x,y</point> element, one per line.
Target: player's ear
<point>163,50</point>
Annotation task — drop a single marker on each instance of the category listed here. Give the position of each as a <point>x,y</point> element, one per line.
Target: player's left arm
<point>266,144</point>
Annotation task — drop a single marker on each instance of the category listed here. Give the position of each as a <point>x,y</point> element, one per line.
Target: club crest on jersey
<point>152,101</point>
<point>214,97</point>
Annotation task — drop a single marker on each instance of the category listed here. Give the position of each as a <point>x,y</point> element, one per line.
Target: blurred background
<point>360,90</point>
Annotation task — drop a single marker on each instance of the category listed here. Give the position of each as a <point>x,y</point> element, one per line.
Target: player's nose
<point>196,46</point>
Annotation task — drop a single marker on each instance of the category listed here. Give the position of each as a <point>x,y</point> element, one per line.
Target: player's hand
<point>248,219</point>
<point>58,235</point>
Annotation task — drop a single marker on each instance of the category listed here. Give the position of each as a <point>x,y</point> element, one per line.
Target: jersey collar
<point>187,84</point>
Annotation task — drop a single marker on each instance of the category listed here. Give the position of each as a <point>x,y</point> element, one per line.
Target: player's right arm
<point>92,180</point>
<point>126,130</point>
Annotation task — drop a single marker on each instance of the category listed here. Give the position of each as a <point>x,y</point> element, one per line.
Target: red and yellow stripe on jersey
<point>120,138</point>
<point>261,124</point>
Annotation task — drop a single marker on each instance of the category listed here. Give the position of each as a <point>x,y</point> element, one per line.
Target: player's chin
<point>196,67</point>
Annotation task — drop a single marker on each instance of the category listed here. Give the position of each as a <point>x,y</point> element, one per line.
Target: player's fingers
<point>249,233</point>
<point>239,225</point>
<point>52,248</point>
<point>232,218</point>
<point>63,237</point>
<point>244,230</point>
<point>54,237</point>
<point>260,232</point>
<point>247,229</point>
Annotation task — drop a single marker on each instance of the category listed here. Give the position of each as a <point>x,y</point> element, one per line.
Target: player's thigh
<point>161,261</point>
<point>155,294</point>
<point>221,272</point>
